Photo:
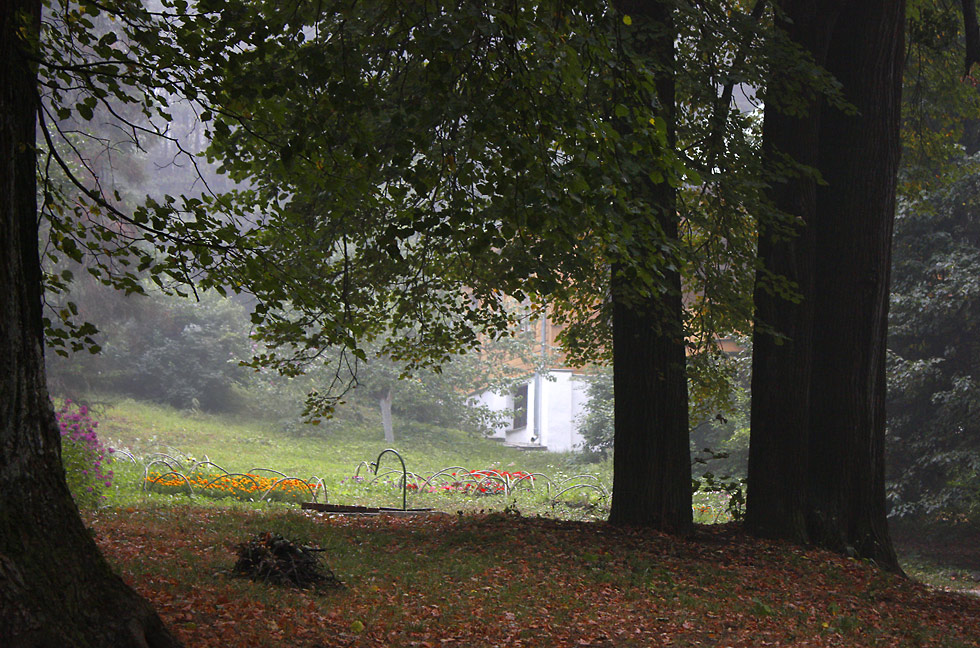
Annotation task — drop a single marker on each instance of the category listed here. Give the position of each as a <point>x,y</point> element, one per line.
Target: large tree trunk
<point>782,351</point>
<point>859,157</point>
<point>651,463</point>
<point>56,589</point>
<point>816,455</point>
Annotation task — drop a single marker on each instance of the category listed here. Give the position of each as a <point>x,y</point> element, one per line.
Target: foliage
<point>720,408</point>
<point>939,104</point>
<point>410,167</point>
<point>717,506</point>
<point>428,200</point>
<point>406,168</point>
<point>190,357</point>
<point>934,437</point>
<point>413,170</point>
<point>85,458</point>
<point>438,396</point>
<point>166,349</point>
<point>107,73</point>
<point>596,423</point>
<point>416,165</point>
<point>730,489</point>
<point>442,395</point>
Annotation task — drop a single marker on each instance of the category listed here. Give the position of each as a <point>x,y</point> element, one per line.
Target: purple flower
<point>84,454</point>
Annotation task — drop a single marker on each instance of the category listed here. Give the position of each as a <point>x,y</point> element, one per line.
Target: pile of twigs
<point>271,558</point>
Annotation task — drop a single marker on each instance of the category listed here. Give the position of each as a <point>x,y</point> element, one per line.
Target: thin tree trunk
<point>652,467</point>
<point>56,589</point>
<point>385,402</point>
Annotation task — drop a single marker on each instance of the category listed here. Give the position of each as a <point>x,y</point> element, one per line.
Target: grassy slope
<point>245,443</point>
<point>331,452</point>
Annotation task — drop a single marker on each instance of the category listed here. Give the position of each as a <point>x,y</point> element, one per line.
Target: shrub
<point>84,457</point>
<point>596,422</point>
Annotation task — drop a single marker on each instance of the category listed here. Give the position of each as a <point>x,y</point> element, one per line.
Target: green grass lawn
<point>334,453</point>
<point>334,448</point>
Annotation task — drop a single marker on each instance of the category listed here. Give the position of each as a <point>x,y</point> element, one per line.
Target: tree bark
<point>859,158</point>
<point>816,454</point>
<point>56,589</point>
<point>651,460</point>
<point>782,338</point>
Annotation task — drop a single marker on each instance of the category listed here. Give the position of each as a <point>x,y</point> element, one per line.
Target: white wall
<point>496,403</point>
<point>565,396</point>
<point>562,399</point>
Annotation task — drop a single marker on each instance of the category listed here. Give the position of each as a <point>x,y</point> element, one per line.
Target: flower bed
<point>481,482</point>
<point>245,487</point>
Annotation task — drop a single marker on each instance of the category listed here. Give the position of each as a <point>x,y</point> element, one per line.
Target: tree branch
<point>724,104</point>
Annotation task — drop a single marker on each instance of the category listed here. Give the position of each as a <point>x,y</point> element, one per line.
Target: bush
<point>595,424</point>
<point>718,388</point>
<point>84,457</point>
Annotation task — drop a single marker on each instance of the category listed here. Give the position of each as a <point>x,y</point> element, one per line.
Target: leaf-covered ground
<point>506,580</point>
<point>943,554</point>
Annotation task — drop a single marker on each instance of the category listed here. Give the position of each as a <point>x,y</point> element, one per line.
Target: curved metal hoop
<point>598,489</point>
<point>129,454</point>
<point>155,480</point>
<point>289,479</point>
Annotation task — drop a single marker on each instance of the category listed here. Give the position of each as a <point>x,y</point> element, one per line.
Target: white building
<point>541,413</point>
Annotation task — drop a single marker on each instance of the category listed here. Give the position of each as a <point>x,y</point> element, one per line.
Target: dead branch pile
<point>271,558</point>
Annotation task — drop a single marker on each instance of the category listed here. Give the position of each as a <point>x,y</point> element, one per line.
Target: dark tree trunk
<point>859,157</point>
<point>652,466</point>
<point>56,589</point>
<point>816,455</point>
<point>781,351</point>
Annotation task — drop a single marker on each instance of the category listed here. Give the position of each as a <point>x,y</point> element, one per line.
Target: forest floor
<point>944,556</point>
<point>503,579</point>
